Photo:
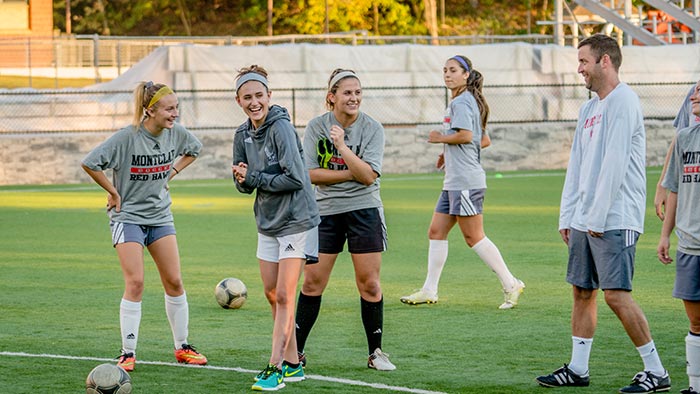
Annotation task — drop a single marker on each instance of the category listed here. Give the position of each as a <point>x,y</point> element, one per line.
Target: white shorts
<point>294,246</point>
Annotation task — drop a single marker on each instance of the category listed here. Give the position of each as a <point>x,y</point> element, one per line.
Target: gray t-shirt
<point>683,177</point>
<point>141,164</point>
<point>365,137</point>
<point>463,161</point>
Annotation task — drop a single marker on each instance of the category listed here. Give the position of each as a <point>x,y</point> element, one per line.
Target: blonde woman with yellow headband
<point>143,157</point>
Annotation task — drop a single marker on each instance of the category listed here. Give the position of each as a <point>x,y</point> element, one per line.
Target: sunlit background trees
<point>252,17</point>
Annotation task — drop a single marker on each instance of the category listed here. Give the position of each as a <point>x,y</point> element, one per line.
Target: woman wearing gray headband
<point>267,160</point>
<point>462,198</point>
<point>344,149</point>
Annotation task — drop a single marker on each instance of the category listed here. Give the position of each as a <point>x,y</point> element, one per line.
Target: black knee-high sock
<point>307,313</point>
<point>373,320</point>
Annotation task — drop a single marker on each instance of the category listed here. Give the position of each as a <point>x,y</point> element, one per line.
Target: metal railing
<point>86,110</point>
<point>55,56</point>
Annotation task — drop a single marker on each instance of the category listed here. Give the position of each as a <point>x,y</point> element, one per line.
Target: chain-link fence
<point>90,110</point>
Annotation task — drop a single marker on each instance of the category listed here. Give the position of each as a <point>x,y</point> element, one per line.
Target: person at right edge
<point>684,118</point>
<point>602,216</point>
<point>683,183</point>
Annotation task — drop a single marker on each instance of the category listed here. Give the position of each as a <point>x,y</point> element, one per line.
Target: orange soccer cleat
<point>126,361</point>
<point>189,355</point>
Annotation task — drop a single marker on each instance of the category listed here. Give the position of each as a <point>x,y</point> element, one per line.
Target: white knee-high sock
<point>692,357</point>
<point>580,354</point>
<point>652,361</point>
<point>437,255</point>
<point>178,313</point>
<point>489,254</point>
<point>129,321</point>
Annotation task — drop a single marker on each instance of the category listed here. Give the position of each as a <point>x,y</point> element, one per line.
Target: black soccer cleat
<point>563,377</point>
<point>647,382</point>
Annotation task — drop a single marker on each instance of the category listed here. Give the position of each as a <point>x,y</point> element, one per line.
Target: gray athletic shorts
<point>468,202</point>
<point>144,235</point>
<point>606,262</point>
<point>687,285</point>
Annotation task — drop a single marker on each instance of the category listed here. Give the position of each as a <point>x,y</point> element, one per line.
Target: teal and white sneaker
<point>260,375</point>
<point>289,373</point>
<point>292,374</point>
<point>271,379</point>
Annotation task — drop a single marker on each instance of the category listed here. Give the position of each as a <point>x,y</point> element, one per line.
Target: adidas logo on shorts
<point>289,248</point>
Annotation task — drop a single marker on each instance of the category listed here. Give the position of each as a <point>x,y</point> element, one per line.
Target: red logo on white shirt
<point>591,122</point>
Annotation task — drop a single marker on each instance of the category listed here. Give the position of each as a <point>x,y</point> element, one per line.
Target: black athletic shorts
<point>364,230</point>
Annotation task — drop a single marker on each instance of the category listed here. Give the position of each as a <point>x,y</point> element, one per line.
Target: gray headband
<point>251,76</point>
<point>341,75</point>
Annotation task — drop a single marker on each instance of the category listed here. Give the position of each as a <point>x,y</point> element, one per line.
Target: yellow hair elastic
<point>162,92</point>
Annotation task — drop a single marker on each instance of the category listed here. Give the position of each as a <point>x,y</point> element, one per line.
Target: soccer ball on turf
<point>108,379</point>
<point>231,293</point>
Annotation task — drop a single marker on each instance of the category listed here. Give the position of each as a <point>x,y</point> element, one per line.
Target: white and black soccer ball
<point>231,293</point>
<point>108,379</point>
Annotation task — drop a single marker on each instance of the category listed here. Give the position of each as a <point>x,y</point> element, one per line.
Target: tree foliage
<point>380,17</point>
<point>249,17</point>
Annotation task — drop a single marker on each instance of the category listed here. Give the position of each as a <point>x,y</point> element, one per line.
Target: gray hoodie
<point>284,200</point>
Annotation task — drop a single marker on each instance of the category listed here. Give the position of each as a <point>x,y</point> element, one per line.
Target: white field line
<point>351,382</point>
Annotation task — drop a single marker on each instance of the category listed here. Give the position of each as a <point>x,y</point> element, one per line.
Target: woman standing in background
<point>462,198</point>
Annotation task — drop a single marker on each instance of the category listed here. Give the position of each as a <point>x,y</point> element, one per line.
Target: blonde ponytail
<point>143,93</point>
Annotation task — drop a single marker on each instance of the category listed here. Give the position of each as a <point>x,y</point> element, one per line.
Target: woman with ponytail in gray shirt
<point>462,198</point>
<point>143,157</point>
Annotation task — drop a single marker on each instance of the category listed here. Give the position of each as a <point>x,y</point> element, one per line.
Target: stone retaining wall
<point>55,158</point>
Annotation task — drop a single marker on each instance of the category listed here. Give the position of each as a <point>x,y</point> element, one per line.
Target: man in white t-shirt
<point>602,216</point>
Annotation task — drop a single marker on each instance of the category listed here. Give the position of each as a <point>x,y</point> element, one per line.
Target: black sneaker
<point>647,382</point>
<point>563,377</point>
<point>302,358</point>
<point>690,390</point>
